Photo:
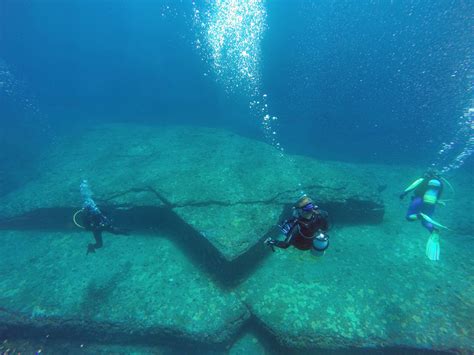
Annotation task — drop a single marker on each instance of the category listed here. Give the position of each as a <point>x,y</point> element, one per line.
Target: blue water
<point>355,81</point>
<point>387,78</point>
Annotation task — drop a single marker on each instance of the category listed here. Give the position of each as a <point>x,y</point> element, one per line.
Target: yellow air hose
<point>74,219</point>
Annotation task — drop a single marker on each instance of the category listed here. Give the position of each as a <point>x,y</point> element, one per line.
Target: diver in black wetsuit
<point>94,220</point>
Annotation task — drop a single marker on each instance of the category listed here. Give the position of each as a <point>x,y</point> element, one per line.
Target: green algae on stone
<point>228,188</point>
<point>134,287</point>
<point>248,344</point>
<point>363,293</point>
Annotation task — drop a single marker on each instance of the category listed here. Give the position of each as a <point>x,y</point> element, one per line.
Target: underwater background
<point>385,86</point>
<point>371,74</point>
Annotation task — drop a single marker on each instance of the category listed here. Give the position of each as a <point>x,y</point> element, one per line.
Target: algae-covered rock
<point>135,288</point>
<point>373,288</point>
<point>230,189</point>
<point>248,344</point>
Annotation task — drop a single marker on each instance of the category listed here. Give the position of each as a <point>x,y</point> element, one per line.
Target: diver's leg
<point>98,239</point>
<point>414,209</point>
<point>428,209</point>
<point>98,242</point>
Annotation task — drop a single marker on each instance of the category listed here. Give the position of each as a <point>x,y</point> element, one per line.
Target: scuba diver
<point>94,220</point>
<point>305,230</point>
<point>427,191</point>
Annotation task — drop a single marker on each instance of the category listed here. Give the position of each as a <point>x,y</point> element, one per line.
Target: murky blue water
<point>374,74</point>
<point>356,81</point>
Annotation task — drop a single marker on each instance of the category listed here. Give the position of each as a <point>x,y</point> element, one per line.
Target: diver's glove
<point>269,242</point>
<point>402,196</point>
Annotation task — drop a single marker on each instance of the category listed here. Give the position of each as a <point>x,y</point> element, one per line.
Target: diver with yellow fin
<point>426,194</point>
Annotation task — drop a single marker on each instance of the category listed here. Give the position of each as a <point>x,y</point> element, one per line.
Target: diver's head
<point>304,207</point>
<point>432,173</point>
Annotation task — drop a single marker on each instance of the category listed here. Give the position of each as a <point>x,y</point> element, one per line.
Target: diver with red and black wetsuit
<point>306,230</point>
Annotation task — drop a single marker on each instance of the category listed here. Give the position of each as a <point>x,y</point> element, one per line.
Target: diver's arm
<point>410,188</point>
<point>287,229</point>
<point>283,244</point>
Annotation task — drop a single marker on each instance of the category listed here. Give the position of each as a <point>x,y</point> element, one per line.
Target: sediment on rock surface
<point>133,289</point>
<point>229,189</point>
<point>374,288</point>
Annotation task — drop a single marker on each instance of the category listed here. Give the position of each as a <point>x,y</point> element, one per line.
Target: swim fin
<point>432,221</point>
<point>432,246</point>
<point>414,185</point>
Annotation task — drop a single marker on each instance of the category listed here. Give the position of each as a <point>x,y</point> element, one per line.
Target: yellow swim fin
<point>414,185</point>
<point>432,246</point>
<point>432,221</point>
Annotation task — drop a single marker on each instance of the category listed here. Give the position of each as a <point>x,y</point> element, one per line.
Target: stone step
<point>231,190</point>
<point>142,289</point>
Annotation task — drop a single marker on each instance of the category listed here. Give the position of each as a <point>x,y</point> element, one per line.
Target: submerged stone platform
<point>198,202</point>
<point>141,288</point>
<point>375,289</point>
<point>231,190</point>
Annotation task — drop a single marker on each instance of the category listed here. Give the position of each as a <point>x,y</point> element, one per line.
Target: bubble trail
<point>16,92</point>
<point>232,31</point>
<point>466,130</point>
<point>463,137</point>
